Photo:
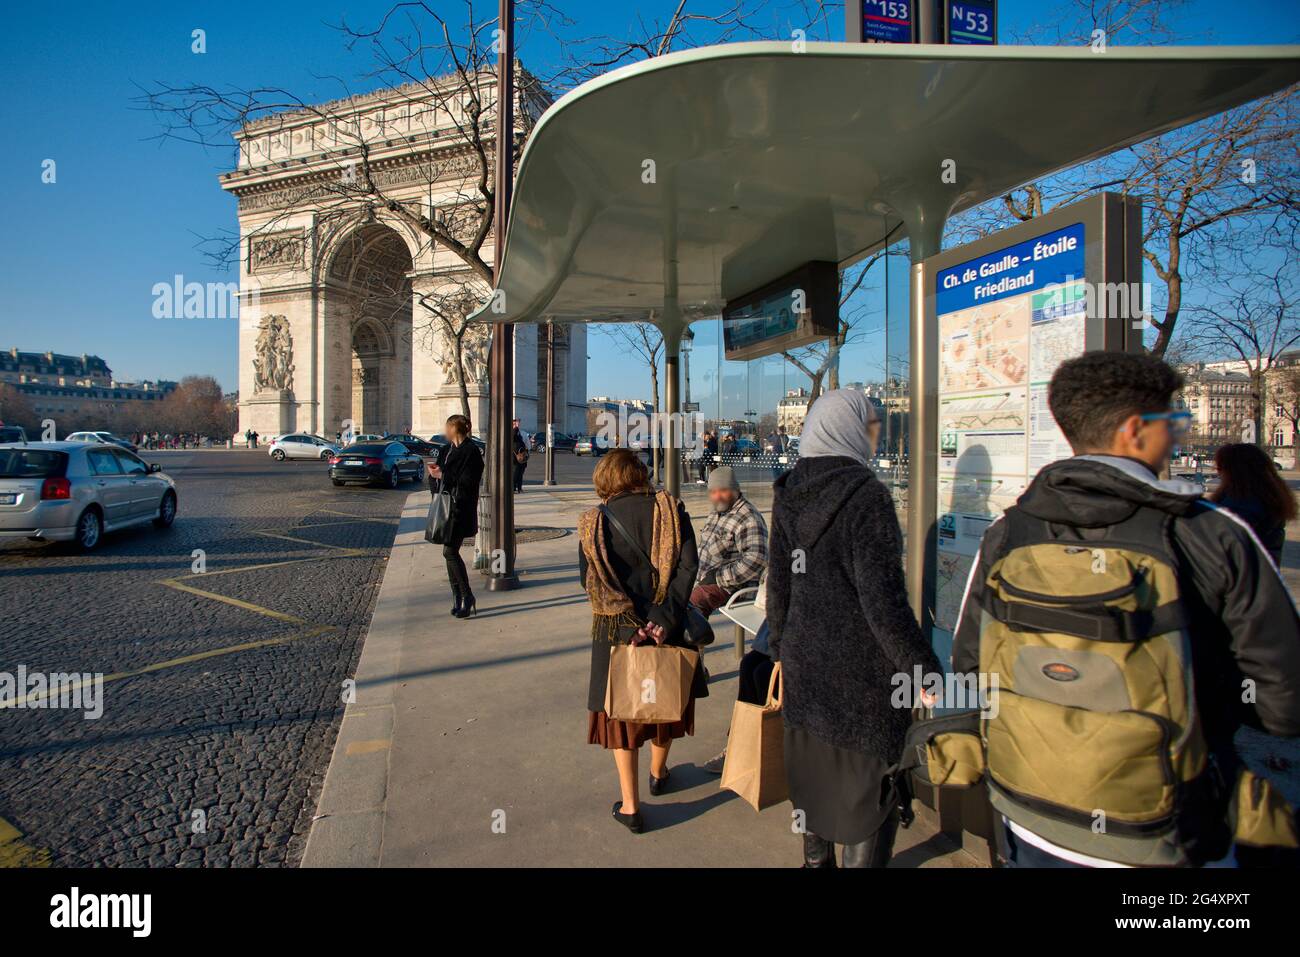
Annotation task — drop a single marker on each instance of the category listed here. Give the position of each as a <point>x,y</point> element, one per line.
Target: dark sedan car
<point>440,444</point>
<point>413,443</point>
<point>376,463</point>
<point>563,442</point>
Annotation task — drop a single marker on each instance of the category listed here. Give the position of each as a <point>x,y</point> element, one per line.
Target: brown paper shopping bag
<point>649,684</point>
<point>755,765</point>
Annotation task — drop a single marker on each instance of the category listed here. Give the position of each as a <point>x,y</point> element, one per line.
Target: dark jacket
<point>841,626</point>
<point>636,513</point>
<point>1243,623</point>
<point>462,470</point>
<point>1271,533</point>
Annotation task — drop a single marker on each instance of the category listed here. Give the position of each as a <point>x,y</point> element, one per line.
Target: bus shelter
<point>662,190</point>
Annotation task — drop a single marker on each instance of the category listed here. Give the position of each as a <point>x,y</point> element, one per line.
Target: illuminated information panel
<point>1006,319</point>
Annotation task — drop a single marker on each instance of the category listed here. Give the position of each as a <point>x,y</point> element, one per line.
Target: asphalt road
<point>223,688</point>
<point>213,755</point>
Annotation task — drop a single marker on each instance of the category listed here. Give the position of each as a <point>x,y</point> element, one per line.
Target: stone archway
<point>368,332</point>
<point>345,270</point>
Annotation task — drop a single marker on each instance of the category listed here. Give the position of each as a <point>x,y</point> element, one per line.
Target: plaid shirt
<point>734,544</point>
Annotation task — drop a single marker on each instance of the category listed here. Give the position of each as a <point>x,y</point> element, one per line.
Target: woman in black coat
<point>844,633</point>
<point>459,473</point>
<point>635,599</point>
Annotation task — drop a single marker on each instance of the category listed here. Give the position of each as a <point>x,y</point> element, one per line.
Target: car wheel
<point>278,455</point>
<point>394,477</point>
<point>325,456</point>
<point>166,511</point>
<point>90,528</point>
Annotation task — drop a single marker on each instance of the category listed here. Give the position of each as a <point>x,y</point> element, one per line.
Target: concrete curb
<point>348,829</point>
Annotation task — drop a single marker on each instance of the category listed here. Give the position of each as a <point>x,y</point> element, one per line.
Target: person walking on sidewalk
<point>460,472</point>
<point>1250,486</point>
<point>519,449</point>
<point>733,544</point>
<point>843,631</point>
<point>636,561</point>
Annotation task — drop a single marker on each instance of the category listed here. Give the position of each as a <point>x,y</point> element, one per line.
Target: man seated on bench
<point>732,546</point>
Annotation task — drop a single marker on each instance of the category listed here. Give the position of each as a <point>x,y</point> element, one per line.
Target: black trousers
<point>519,475</point>
<point>456,573</point>
<point>755,673</point>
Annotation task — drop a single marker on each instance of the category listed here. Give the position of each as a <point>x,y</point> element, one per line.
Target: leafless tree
<point>1212,183</point>
<point>646,342</point>
<point>449,69</point>
<point>1257,320</point>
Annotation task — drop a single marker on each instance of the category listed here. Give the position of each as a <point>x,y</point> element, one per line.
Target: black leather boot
<point>455,594</point>
<point>876,850</point>
<point>817,852</point>
<point>467,605</point>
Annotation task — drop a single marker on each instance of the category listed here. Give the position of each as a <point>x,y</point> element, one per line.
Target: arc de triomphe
<point>349,313</point>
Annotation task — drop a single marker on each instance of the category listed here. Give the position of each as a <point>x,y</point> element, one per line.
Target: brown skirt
<point>625,736</point>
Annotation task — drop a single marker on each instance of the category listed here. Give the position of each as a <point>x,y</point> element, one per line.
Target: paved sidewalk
<point>466,744</point>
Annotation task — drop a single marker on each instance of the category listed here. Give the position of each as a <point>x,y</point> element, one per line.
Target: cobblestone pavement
<point>224,689</point>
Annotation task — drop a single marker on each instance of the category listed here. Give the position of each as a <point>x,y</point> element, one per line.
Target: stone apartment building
<point>64,387</point>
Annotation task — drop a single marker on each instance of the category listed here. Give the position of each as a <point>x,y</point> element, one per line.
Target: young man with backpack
<point>1130,628</point>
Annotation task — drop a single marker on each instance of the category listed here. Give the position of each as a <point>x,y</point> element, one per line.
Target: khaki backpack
<point>1092,736</point>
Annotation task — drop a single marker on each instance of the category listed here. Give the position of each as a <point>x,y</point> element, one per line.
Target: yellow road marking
<point>306,541</point>
<point>15,852</point>
<point>237,602</point>
<point>312,632</point>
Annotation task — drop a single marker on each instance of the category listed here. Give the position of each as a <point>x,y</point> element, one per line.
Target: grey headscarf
<point>837,425</point>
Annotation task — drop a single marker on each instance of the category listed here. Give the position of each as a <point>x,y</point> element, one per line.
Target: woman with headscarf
<point>841,626</point>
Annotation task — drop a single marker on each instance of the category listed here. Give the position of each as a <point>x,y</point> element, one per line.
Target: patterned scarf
<point>610,605</point>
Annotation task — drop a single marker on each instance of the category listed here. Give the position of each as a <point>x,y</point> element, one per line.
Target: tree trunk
<point>1165,331</point>
<point>460,377</point>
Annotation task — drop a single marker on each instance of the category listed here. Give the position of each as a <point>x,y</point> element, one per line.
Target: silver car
<point>300,445</point>
<point>77,491</point>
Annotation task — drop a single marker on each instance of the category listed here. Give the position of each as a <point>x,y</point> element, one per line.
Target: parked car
<point>105,437</point>
<point>413,443</point>
<point>563,442</point>
<point>77,491</point>
<point>12,433</point>
<point>376,463</point>
<point>440,446</point>
<point>300,445</point>
<point>593,445</point>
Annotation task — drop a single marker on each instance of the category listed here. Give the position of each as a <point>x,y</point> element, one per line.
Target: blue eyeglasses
<point>1180,420</point>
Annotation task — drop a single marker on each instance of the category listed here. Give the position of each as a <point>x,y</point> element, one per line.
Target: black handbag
<point>435,528</point>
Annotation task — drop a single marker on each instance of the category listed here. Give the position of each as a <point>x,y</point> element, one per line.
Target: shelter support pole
<point>501,365</point>
<point>501,485</point>
<point>925,237</point>
<point>549,478</point>
<point>673,405</point>
<point>670,326</point>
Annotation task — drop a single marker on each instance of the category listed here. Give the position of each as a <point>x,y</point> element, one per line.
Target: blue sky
<point>80,256</point>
